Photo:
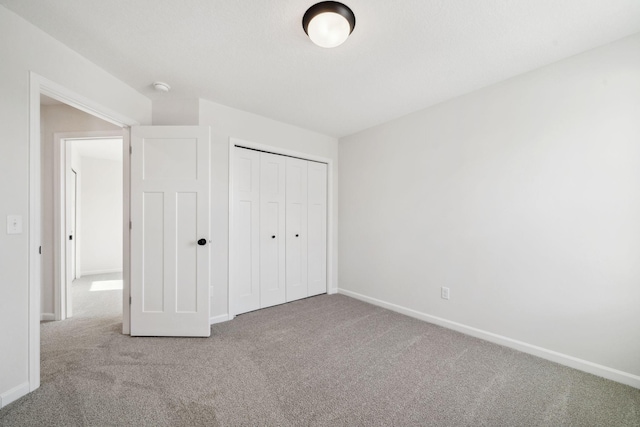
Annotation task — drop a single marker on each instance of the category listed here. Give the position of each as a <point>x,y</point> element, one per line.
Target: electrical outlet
<point>444,292</point>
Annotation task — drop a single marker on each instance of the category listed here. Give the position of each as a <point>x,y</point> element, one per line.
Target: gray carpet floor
<point>327,360</point>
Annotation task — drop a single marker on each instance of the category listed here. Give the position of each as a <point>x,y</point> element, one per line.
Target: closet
<point>279,219</point>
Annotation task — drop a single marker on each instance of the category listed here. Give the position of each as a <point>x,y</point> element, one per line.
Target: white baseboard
<point>563,359</point>
<point>332,291</point>
<point>13,394</point>
<point>93,272</point>
<point>218,319</point>
<point>46,317</point>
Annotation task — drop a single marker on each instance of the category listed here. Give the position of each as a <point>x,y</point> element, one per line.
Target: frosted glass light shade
<point>329,23</point>
<point>329,29</point>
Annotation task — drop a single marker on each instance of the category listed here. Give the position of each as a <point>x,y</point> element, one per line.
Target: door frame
<point>236,142</point>
<point>40,85</point>
<point>75,270</point>
<point>61,151</point>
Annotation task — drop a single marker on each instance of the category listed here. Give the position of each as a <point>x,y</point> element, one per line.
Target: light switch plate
<point>14,224</point>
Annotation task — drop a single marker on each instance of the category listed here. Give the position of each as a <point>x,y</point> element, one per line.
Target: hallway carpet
<point>326,360</point>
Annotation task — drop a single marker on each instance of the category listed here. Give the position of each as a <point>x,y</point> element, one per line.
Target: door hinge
<point>130,225</point>
<point>130,150</point>
<point>129,300</point>
<point>40,250</point>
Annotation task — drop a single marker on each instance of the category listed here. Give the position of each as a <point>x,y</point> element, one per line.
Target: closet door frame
<point>233,143</point>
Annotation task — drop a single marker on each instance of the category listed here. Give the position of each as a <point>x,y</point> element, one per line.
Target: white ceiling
<point>404,55</point>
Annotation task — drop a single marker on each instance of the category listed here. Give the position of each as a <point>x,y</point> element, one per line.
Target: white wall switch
<point>14,224</point>
<point>444,293</point>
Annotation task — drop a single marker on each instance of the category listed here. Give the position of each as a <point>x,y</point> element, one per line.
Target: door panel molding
<point>272,230</point>
<point>170,235</point>
<point>244,250</point>
<point>297,235</point>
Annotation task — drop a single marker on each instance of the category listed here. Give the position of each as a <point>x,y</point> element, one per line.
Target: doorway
<point>94,149</point>
<point>93,222</point>
<point>40,86</point>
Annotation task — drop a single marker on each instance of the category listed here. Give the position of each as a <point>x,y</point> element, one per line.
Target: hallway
<point>98,295</point>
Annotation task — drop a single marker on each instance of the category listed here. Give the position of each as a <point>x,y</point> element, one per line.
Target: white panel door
<point>246,230</point>
<point>170,179</point>
<point>317,228</point>
<point>272,229</point>
<point>296,229</point>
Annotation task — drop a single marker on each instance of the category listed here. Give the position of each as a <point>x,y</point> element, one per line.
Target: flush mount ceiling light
<point>329,23</point>
<point>161,87</point>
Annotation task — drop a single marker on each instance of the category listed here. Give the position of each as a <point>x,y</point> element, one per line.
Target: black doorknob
<point>273,237</point>
<point>296,235</point>
<point>202,242</point>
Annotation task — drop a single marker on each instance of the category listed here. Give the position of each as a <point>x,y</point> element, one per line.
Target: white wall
<point>56,119</point>
<point>100,232</point>
<point>179,112</point>
<point>523,198</point>
<point>229,123</point>
<point>24,48</point>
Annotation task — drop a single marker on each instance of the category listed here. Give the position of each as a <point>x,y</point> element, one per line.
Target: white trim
<point>554,356</point>
<point>219,319</point>
<point>77,101</point>
<point>59,302</point>
<point>35,222</point>
<point>40,85</point>
<point>233,142</point>
<point>13,394</point>
<point>92,272</point>
<point>276,150</point>
<point>332,287</point>
<point>47,317</point>
<point>126,231</point>
<point>230,244</point>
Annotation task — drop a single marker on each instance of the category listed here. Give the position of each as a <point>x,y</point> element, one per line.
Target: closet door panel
<point>317,228</point>
<point>272,229</point>
<point>246,223</point>
<point>296,248</point>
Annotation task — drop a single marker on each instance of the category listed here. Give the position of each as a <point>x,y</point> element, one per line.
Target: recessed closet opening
<point>278,228</point>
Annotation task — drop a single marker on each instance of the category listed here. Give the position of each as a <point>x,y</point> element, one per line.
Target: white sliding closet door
<point>317,228</point>
<point>296,229</point>
<point>246,224</point>
<point>272,229</point>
